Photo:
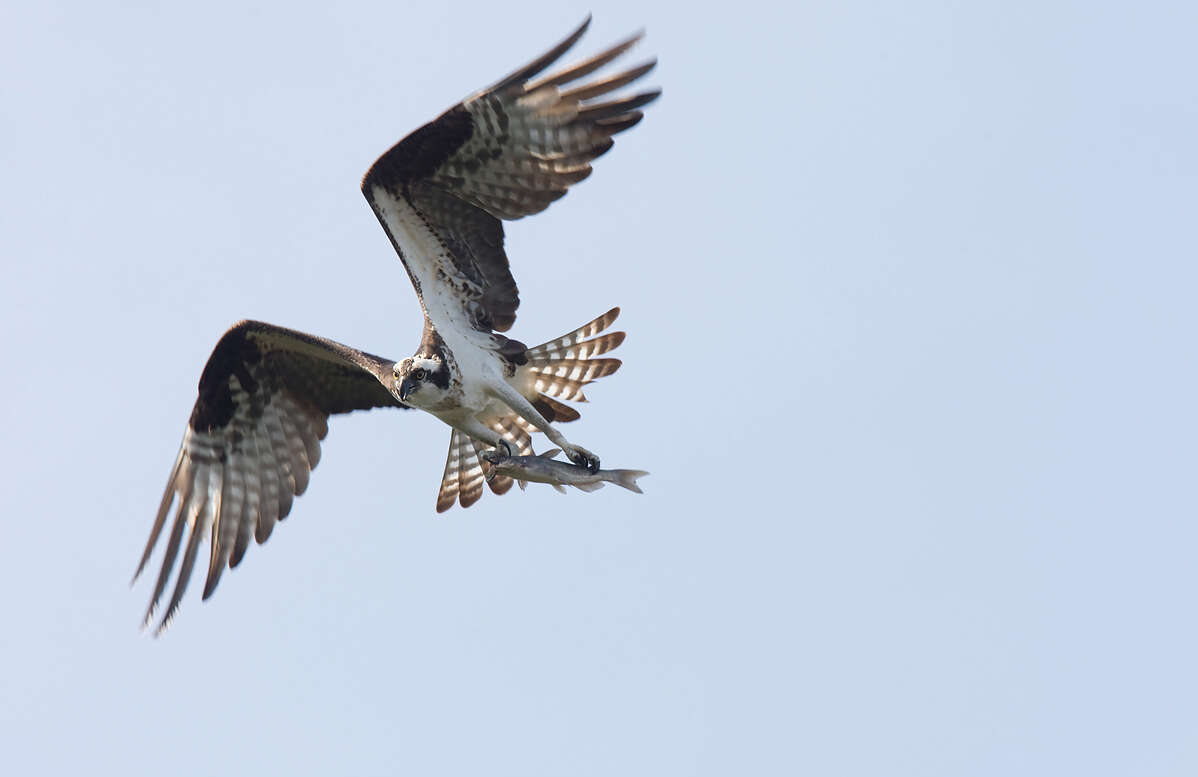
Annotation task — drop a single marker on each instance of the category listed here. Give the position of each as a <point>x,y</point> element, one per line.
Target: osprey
<point>266,393</point>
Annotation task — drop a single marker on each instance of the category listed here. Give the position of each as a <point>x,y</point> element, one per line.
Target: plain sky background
<point>910,294</point>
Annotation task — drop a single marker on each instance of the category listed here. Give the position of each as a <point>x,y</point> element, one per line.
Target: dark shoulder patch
<point>232,356</point>
<point>433,347</point>
<point>514,352</point>
<point>431,343</point>
<point>420,153</point>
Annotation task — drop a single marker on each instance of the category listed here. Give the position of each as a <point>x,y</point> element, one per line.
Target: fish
<point>544,468</point>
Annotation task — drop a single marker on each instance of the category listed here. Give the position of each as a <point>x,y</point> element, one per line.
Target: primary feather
<point>441,194</point>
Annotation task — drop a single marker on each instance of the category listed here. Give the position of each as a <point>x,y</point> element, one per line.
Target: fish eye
<point>418,373</point>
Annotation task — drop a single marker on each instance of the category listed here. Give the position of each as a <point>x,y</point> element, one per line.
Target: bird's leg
<point>502,449</point>
<point>516,401</point>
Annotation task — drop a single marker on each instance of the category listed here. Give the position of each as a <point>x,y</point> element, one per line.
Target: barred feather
<point>516,431</point>
<point>267,392</point>
<point>503,153</point>
<point>577,344</point>
<point>465,469</point>
<point>499,485</point>
<point>561,388</point>
<point>582,370</point>
<point>251,443</point>
<point>583,350</point>
<point>463,477</point>
<point>542,136</point>
<point>526,427</point>
<point>554,370</point>
<point>587,66</point>
<point>558,369</point>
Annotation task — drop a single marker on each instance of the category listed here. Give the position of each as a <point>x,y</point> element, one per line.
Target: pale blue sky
<point>909,291</point>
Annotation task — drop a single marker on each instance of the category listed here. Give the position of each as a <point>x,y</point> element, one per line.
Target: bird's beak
<point>406,388</point>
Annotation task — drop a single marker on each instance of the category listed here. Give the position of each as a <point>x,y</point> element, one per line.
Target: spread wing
<point>503,153</point>
<point>253,439</point>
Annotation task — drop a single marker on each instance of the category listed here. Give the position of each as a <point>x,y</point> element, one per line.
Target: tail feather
<point>516,431</point>
<point>582,370</point>
<point>499,484</point>
<point>554,410</point>
<point>562,388</point>
<point>626,478</point>
<point>561,367</point>
<point>466,470</point>
<point>528,429</point>
<point>463,478</point>
<point>558,369</point>
<point>552,351</point>
<point>570,346</point>
<point>448,493</point>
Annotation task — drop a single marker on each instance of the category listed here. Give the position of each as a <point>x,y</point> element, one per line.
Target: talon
<point>502,450</point>
<point>584,458</point>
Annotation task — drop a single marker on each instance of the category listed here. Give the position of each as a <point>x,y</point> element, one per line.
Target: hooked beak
<point>406,388</point>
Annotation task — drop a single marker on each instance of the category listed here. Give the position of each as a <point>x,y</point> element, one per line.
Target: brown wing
<point>253,439</point>
<point>503,153</point>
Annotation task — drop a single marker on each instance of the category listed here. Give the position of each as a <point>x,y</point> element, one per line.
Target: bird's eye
<point>395,372</point>
<point>418,373</point>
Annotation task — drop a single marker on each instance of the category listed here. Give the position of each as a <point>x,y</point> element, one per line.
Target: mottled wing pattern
<point>533,139</point>
<point>252,441</point>
<point>504,153</point>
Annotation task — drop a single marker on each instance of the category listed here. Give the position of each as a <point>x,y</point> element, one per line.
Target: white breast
<point>440,291</point>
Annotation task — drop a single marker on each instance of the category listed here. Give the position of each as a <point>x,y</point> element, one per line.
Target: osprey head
<point>421,380</point>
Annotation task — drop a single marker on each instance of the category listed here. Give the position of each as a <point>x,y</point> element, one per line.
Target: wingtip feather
<point>522,74</point>
<point>586,66</point>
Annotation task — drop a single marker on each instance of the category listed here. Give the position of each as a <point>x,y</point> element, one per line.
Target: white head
<point>421,380</point>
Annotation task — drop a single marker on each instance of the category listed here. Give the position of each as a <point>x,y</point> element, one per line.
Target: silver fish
<point>544,469</point>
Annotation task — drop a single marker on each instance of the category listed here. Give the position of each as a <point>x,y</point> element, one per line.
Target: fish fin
<point>558,488</point>
<point>522,483</point>
<point>598,484</point>
<point>627,478</point>
<point>549,454</point>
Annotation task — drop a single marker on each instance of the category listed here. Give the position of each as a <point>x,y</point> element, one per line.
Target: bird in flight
<point>266,393</point>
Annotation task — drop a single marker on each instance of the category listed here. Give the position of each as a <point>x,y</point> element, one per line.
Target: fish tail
<point>626,478</point>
